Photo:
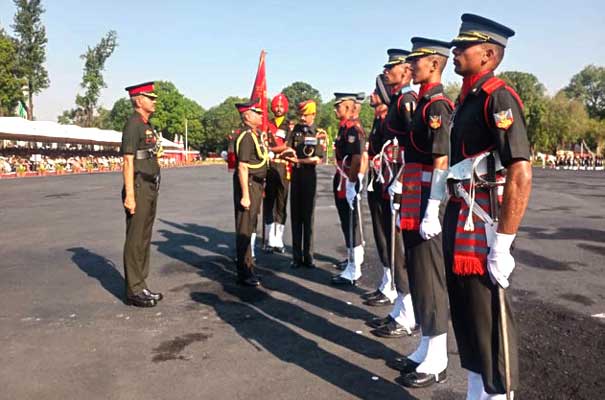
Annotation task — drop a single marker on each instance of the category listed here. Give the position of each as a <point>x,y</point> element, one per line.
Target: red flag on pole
<point>259,90</point>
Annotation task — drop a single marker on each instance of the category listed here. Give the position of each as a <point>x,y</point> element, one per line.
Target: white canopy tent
<point>19,129</point>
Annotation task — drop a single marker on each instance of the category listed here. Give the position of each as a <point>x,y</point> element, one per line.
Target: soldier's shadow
<point>276,313</point>
<point>100,268</point>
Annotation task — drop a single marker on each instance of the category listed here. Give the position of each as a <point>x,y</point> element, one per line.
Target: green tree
<point>366,116</point>
<point>218,122</point>
<point>589,86</point>
<point>565,122</point>
<point>533,95</point>
<point>31,48</point>
<point>92,79</point>
<point>171,111</point>
<point>452,90</point>
<point>10,83</point>
<point>298,92</point>
<point>119,113</point>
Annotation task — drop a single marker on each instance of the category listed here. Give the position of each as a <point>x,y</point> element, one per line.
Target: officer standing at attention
<point>141,147</point>
<point>308,142</point>
<point>426,164</point>
<point>278,180</point>
<point>349,149</point>
<point>400,321</point>
<point>248,180</point>
<point>378,200</point>
<point>488,123</point>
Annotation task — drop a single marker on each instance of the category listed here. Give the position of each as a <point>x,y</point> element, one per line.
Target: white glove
<point>351,193</point>
<point>430,225</point>
<point>395,188</point>
<point>360,177</point>
<point>500,263</point>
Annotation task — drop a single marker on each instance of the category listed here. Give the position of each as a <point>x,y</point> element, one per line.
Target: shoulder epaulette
<point>435,98</point>
<point>490,86</point>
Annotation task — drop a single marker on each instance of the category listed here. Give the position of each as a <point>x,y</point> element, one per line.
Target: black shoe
<point>421,380</point>
<point>140,300</point>
<point>379,301</point>
<point>155,296</point>
<point>309,266</point>
<point>370,295</point>
<point>339,280</point>
<point>268,249</point>
<point>378,322</point>
<point>404,365</point>
<point>341,265</point>
<point>392,330</point>
<point>279,250</point>
<point>251,281</point>
<point>295,265</point>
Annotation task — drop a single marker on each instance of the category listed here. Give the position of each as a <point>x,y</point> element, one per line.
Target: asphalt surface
<point>66,334</point>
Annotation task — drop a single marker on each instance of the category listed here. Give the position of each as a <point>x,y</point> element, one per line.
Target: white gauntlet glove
<point>396,188</point>
<point>430,225</point>
<point>500,263</point>
<point>352,193</point>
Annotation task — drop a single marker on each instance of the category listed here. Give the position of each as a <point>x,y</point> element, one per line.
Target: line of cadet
<point>448,185</point>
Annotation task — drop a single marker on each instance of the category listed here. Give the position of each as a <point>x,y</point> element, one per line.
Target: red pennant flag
<point>259,90</point>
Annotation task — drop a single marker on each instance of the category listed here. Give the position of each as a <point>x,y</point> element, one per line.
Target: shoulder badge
<point>504,119</point>
<point>280,133</point>
<point>351,138</point>
<point>435,121</point>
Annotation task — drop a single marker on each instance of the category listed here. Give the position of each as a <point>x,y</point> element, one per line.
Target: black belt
<point>144,154</point>
<point>451,187</point>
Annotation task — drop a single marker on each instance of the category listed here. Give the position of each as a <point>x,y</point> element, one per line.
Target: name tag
<point>310,141</point>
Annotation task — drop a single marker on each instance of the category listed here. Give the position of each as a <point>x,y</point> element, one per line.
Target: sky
<point>210,49</point>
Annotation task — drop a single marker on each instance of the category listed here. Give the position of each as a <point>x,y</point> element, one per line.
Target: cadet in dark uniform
<point>426,153</point>
<point>278,180</point>
<point>248,181</point>
<point>308,142</point>
<point>141,147</point>
<point>488,122</point>
<point>378,198</point>
<point>349,148</point>
<point>397,72</point>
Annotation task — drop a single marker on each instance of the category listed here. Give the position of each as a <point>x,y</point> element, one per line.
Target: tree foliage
<point>31,48</point>
<point>119,113</point>
<point>92,78</point>
<point>220,121</point>
<point>452,90</point>
<point>589,86</point>
<point>171,111</point>
<point>533,95</point>
<point>298,92</point>
<point>10,83</point>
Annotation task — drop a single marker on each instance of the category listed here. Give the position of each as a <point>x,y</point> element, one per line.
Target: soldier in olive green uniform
<point>141,146</point>
<point>248,181</point>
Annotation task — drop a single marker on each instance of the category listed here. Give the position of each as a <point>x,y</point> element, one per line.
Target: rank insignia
<point>351,138</point>
<point>504,119</point>
<point>435,121</point>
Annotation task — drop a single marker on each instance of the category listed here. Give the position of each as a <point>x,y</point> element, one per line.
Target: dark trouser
<point>245,224</point>
<point>139,227</point>
<point>475,317</point>
<point>375,204</point>
<point>344,213</point>
<point>276,194</point>
<point>426,274</point>
<point>401,283</point>
<point>302,207</point>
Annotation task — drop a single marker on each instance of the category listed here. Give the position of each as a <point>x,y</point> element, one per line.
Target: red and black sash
<point>416,191</point>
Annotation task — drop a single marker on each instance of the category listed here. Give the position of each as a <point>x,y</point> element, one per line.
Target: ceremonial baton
<point>395,199</point>
<point>493,198</point>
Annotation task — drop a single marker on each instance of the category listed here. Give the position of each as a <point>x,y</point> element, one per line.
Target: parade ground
<point>65,332</point>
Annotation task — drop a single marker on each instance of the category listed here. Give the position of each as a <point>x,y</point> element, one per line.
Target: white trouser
<point>386,285</point>
<point>435,360</point>
<point>252,243</point>
<point>475,389</point>
<point>353,270</point>
<point>403,311</point>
